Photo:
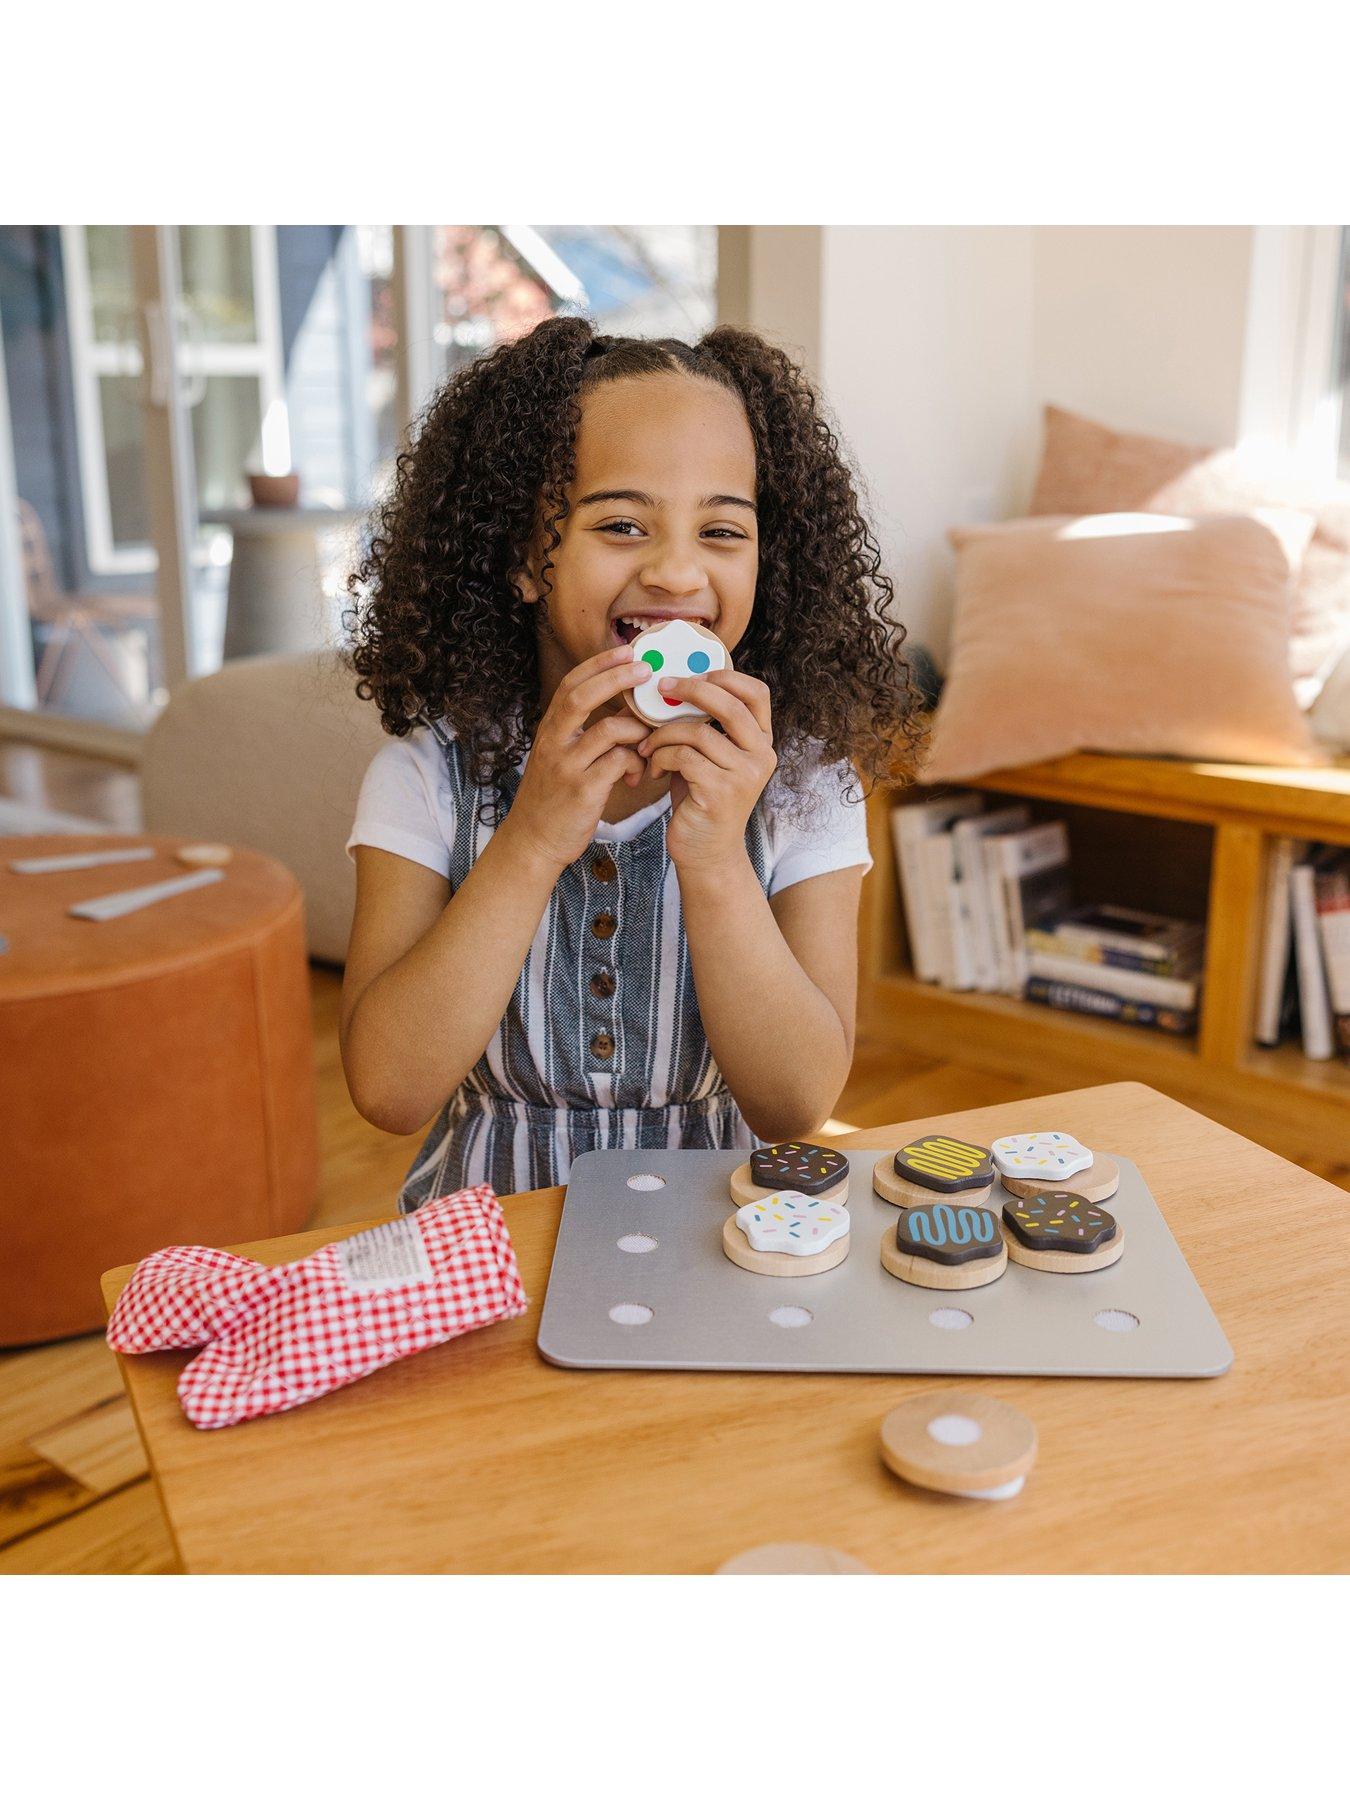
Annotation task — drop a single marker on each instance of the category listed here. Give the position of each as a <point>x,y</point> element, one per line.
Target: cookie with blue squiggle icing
<point>945,1246</point>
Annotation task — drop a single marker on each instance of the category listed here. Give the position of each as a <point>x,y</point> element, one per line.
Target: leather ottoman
<point>156,1074</point>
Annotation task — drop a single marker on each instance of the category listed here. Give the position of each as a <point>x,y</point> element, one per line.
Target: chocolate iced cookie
<point>934,1165</point>
<point>796,1168</point>
<point>1062,1233</point>
<point>942,1246</point>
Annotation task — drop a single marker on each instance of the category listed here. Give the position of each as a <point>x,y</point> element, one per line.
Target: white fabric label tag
<point>390,1256</point>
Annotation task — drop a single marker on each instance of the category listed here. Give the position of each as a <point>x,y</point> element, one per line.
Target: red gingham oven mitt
<point>303,1329</point>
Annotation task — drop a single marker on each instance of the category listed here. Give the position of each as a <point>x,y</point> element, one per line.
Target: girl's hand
<point>715,776</point>
<point>572,767</point>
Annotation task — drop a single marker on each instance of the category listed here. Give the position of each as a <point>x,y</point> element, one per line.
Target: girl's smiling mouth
<point>627,627</point>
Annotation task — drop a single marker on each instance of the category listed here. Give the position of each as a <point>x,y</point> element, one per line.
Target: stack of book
<point>1140,967</point>
<point>1305,953</point>
<point>988,908</point>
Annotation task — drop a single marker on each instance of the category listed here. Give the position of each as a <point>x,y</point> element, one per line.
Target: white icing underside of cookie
<point>792,1224</point>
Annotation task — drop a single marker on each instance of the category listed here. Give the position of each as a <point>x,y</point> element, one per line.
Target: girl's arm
<point>777,989</point>
<point>430,974</point>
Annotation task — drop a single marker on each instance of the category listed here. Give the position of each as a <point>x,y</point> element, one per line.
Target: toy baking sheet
<point>640,1281</point>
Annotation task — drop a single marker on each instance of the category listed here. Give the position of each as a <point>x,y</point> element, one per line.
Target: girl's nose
<point>674,571</point>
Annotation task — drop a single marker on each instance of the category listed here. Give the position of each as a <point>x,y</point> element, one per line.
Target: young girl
<point>574,930</point>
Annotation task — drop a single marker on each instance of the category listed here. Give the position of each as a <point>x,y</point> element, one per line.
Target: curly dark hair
<point>437,631</point>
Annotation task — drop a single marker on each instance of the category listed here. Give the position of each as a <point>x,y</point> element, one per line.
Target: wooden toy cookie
<point>793,1559</point>
<point>934,1165</point>
<point>945,1246</point>
<point>1046,1155</point>
<point>1061,1232</point>
<point>787,1234</point>
<point>676,648</point>
<point>957,1442</point>
<point>793,1168</point>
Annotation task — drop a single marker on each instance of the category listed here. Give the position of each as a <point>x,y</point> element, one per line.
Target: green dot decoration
<point>654,659</point>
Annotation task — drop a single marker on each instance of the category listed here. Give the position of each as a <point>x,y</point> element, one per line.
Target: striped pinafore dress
<point>602,1046</point>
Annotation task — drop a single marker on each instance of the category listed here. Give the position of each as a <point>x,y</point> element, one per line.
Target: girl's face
<point>662,522</point>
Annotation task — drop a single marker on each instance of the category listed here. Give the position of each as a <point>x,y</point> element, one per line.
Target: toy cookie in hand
<point>676,649</point>
<point>798,1168</point>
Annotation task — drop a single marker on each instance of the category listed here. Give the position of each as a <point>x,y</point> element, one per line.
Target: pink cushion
<point>1088,468</point>
<point>1122,632</point>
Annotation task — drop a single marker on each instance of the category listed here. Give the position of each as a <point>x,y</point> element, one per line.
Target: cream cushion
<point>1124,632</point>
<point>1088,468</point>
<point>269,752</point>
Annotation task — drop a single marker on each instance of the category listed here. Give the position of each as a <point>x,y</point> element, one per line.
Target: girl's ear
<point>524,583</point>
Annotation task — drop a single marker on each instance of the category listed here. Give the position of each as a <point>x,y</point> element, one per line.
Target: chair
<point>75,619</point>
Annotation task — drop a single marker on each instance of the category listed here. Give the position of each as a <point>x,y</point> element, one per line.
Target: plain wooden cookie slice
<point>1064,1234</point>
<point>204,856</point>
<point>1095,1183</point>
<point>793,1167</point>
<point>777,1262</point>
<point>945,1246</point>
<point>954,1441</point>
<point>793,1559</point>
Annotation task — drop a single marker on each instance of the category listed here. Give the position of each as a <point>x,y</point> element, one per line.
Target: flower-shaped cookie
<point>1051,1155</point>
<point>792,1224</point>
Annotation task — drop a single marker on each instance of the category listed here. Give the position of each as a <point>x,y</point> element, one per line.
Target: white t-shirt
<point>405,807</point>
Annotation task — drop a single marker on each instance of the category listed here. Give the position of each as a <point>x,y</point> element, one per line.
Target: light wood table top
<point>480,1457</point>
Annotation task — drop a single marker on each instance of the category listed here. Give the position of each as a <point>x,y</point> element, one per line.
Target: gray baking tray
<point>683,1305</point>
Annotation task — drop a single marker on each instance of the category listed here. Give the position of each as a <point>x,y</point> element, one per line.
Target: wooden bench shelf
<point>1228,815</point>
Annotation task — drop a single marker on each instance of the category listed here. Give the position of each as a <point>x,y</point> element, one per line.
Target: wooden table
<point>480,1457</point>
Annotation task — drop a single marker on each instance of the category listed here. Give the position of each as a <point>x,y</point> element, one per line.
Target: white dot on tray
<point>631,1312</point>
<point>790,1317</point>
<point>637,1243</point>
<point>1113,1319</point>
<point>950,1318</point>
<point>646,1184</point>
<point>954,1428</point>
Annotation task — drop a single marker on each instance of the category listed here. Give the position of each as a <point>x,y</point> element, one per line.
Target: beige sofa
<point>269,753</point>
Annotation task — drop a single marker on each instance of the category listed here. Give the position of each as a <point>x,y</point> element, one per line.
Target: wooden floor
<point>74,1493</point>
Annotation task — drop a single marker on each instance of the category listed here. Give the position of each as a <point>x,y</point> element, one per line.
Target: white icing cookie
<point>792,1224</point>
<point>675,649</point>
<point>1050,1154</point>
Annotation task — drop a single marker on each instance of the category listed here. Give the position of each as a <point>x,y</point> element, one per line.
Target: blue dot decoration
<point>699,662</point>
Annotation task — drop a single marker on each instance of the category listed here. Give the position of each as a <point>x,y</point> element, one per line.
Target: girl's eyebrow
<point>641,499</point>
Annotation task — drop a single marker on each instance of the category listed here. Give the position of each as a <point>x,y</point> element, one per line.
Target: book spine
<point>1314,1004</point>
<point>913,891</point>
<point>937,859</point>
<point>1072,996</point>
<point>1106,956</point>
<point>1275,941</point>
<point>1156,990</point>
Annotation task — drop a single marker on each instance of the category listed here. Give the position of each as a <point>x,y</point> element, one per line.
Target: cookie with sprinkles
<point>796,1167</point>
<point>1061,1233</point>
<point>787,1234</point>
<point>931,1166</point>
<point>945,1246</point>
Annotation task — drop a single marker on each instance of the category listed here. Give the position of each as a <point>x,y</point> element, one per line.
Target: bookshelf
<point>1188,838</point>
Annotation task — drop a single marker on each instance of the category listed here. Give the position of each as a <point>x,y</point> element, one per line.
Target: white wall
<point>940,345</point>
<point>1143,326</point>
<point>926,339</point>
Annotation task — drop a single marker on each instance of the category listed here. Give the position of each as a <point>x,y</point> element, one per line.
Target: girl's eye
<point>619,525</point>
<point>725,531</point>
